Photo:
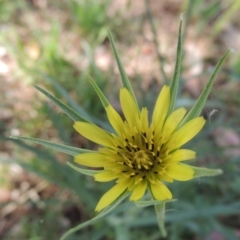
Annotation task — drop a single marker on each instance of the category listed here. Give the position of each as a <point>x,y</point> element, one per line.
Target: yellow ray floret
<point>139,191</point>
<point>115,119</point>
<point>161,108</point>
<point>129,107</point>
<point>93,133</point>
<point>111,195</point>
<point>91,159</point>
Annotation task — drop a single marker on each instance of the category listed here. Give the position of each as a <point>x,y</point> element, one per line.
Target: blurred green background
<point>56,44</point>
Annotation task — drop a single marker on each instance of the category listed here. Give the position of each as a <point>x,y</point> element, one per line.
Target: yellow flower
<point>140,155</point>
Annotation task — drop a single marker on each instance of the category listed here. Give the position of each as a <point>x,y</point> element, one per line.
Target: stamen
<point>146,144</point>
<point>130,165</point>
<point>128,148</point>
<point>158,151</point>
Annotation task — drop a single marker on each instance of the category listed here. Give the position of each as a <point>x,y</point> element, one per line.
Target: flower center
<point>142,160</point>
<point>141,155</point>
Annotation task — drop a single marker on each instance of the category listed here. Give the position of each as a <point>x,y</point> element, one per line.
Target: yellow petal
<point>139,191</point>
<point>110,154</point>
<point>161,108</point>
<point>105,176</point>
<point>165,178</point>
<point>180,172</point>
<point>172,122</point>
<point>151,177</point>
<point>93,133</point>
<point>129,107</point>
<point>111,195</point>
<point>91,159</point>
<point>113,165</point>
<point>160,191</point>
<point>115,119</point>
<point>186,133</point>
<point>144,119</point>
<point>181,155</point>
<point>131,184</point>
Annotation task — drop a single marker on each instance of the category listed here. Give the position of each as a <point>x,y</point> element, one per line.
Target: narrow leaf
<point>70,112</point>
<point>124,77</point>
<point>160,212</point>
<point>84,171</point>
<point>99,216</point>
<point>100,94</point>
<point>206,172</point>
<point>152,202</point>
<point>176,76</point>
<point>66,96</point>
<point>200,103</point>
<point>56,146</point>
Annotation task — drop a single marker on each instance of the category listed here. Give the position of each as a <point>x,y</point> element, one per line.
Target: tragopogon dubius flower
<point>141,155</point>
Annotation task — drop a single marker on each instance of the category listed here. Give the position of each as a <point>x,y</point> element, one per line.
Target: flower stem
<point>160,212</point>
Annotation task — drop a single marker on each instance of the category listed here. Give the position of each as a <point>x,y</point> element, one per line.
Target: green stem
<point>75,229</point>
<point>153,29</point>
<point>160,212</point>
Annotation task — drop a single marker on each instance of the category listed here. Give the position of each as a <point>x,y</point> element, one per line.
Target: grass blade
<point>155,41</point>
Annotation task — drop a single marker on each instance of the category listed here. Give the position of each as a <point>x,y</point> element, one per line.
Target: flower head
<point>140,155</point>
